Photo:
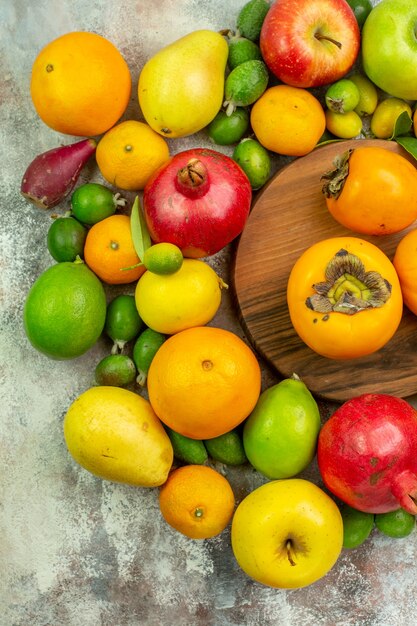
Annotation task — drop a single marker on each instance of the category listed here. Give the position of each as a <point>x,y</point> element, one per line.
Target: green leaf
<point>402,125</point>
<point>138,228</point>
<point>409,144</point>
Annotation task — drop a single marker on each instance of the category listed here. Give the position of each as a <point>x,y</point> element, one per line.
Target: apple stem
<point>290,552</point>
<point>320,37</point>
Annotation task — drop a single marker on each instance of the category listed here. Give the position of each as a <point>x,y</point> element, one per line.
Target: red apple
<point>309,44</point>
<point>199,200</point>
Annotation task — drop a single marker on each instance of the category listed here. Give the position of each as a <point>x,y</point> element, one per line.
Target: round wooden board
<point>287,217</point>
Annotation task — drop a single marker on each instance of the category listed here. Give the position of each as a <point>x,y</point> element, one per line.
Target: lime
<point>343,125</point>
<point>255,161</point>
<point>251,18</point>
<point>66,239</point>
<point>92,202</point>
<point>144,350</point>
<point>191,451</point>
<point>227,448</point>
<point>395,524</point>
<point>241,50</point>
<point>368,94</point>
<point>123,321</point>
<point>361,10</point>
<point>227,129</point>
<point>117,370</point>
<point>65,310</point>
<point>342,96</point>
<point>385,116</point>
<point>163,258</point>
<point>245,84</point>
<point>357,526</point>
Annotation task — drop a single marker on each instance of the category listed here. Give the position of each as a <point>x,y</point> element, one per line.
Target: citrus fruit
<point>65,239</point>
<point>368,94</point>
<point>117,370</point>
<point>343,125</point>
<point>405,263</point>
<point>245,84</point>
<point>80,84</point>
<point>288,120</point>
<point>65,310</point>
<point>342,96</point>
<point>173,302</point>
<point>203,382</point>
<point>192,451</point>
<point>361,10</point>
<point>254,160</point>
<point>114,434</point>
<point>395,524</point>
<point>251,17</point>
<point>163,258</point>
<point>227,448</point>
<point>385,116</point>
<point>129,153</point>
<point>197,501</point>
<point>110,253</point>
<point>92,202</point>
<point>123,322</point>
<point>144,350</point>
<point>241,50</point>
<point>227,129</point>
<point>357,526</point>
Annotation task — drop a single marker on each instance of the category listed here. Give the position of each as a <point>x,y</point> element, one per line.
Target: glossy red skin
<point>367,453</point>
<point>53,174</point>
<point>206,219</point>
<point>292,52</point>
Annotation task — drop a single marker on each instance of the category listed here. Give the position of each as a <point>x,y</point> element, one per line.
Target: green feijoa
<point>245,84</point>
<point>144,350</point>
<point>357,526</point>
<point>191,451</point>
<point>117,370</point>
<point>92,202</point>
<point>228,129</point>
<point>241,50</point>
<point>397,524</point>
<point>227,448</point>
<point>65,239</point>
<point>255,161</point>
<point>251,17</point>
<point>123,322</point>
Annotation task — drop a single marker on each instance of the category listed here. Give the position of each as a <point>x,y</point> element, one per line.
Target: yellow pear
<point>181,87</point>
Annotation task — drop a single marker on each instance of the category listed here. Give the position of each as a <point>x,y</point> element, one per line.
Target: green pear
<point>181,87</point>
<point>280,435</point>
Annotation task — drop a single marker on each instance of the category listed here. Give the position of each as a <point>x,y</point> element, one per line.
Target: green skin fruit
<point>255,161</point>
<point>225,129</point>
<point>357,526</point>
<point>191,451</point>
<point>396,524</point>
<point>241,50</point>
<point>280,435</point>
<point>117,370</point>
<point>342,96</point>
<point>227,448</point>
<point>65,310</point>
<point>144,350</point>
<point>245,84</point>
<point>92,202</point>
<point>123,322</point>
<point>361,10</point>
<point>389,47</point>
<point>163,258</point>
<point>251,17</point>
<point>65,239</point>
<point>368,94</point>
<point>343,125</point>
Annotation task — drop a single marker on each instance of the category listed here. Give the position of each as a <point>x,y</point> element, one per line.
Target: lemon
<point>368,94</point>
<point>173,302</point>
<point>385,116</point>
<point>343,125</point>
<point>65,310</point>
<point>115,434</point>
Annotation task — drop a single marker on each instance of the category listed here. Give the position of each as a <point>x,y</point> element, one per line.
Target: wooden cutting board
<point>287,217</point>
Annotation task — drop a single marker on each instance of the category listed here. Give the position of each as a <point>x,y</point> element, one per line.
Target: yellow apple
<point>287,533</point>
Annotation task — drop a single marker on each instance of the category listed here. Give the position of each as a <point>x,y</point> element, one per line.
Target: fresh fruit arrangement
<point>178,399</point>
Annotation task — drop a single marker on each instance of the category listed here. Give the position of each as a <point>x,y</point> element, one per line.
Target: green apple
<point>389,47</point>
<point>280,435</point>
<point>287,533</point>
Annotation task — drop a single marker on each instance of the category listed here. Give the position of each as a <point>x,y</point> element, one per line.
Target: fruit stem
<point>319,36</point>
<point>404,489</point>
<point>193,180</point>
<point>290,552</point>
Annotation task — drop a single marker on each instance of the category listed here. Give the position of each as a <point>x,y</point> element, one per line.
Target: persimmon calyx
<point>335,178</point>
<point>348,287</point>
